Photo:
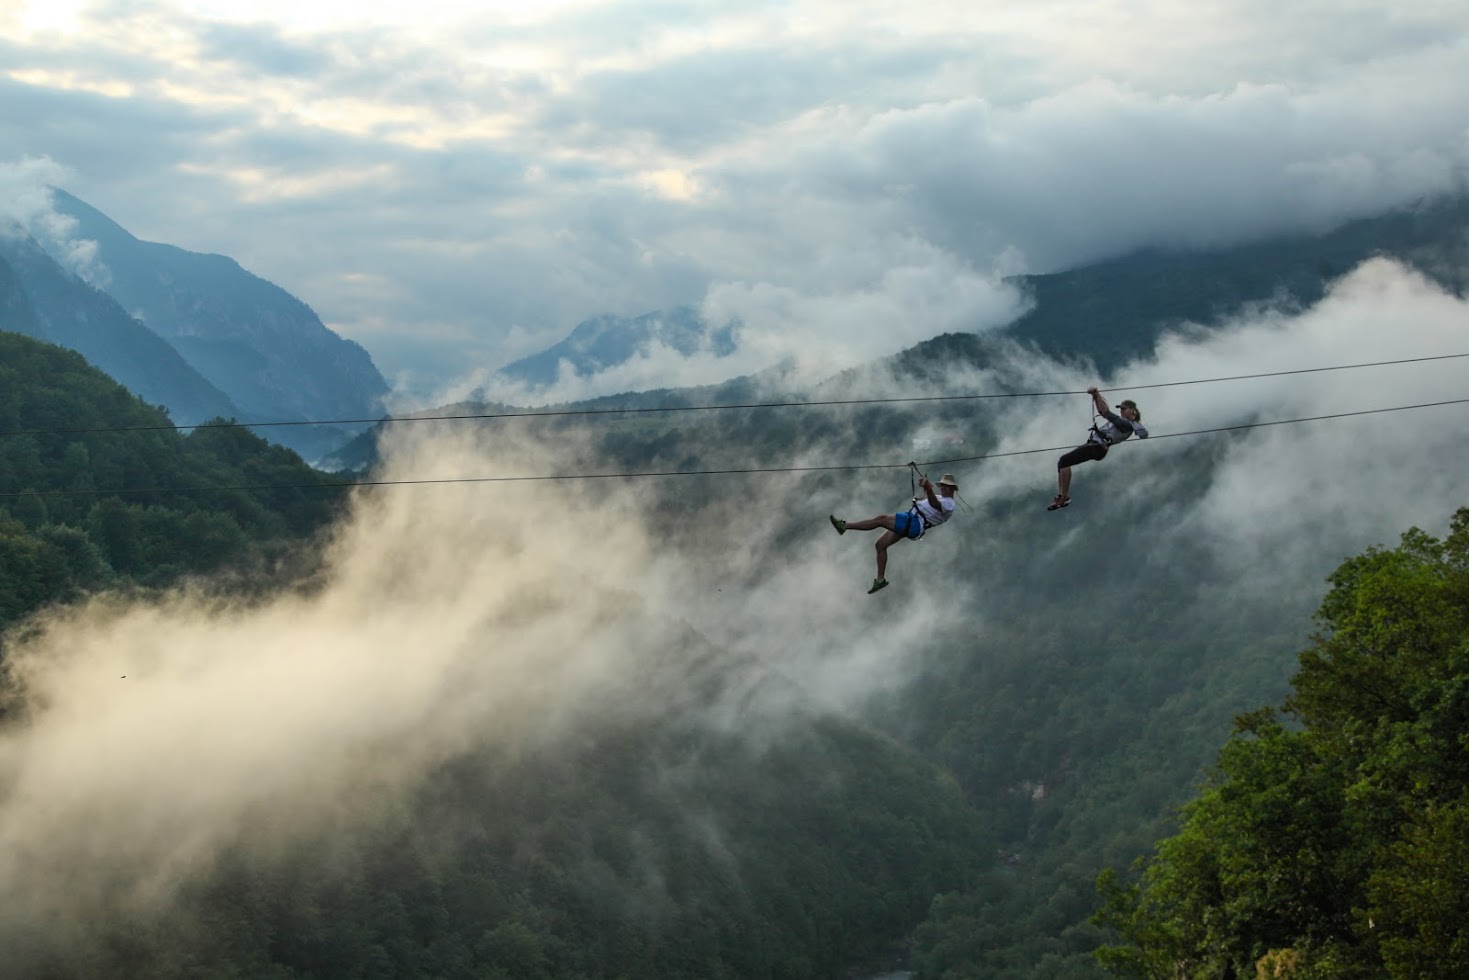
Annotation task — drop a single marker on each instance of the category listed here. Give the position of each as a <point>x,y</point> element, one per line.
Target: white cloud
<point>1278,497</point>
<point>877,298</point>
<point>446,618</point>
<point>500,172</point>
<point>26,207</point>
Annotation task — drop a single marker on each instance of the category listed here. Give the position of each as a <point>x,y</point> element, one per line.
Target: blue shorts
<point>907,523</point>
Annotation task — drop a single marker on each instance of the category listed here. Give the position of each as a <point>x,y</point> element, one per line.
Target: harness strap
<point>915,512</point>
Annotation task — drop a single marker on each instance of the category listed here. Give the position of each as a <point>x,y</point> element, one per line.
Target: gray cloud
<point>456,200</point>
<point>703,101</point>
<point>262,49</point>
<point>1101,170</point>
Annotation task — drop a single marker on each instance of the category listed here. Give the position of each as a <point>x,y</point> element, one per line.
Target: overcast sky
<point>457,185</point>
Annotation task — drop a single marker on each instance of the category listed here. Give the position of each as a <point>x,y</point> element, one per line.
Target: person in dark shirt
<point>1125,422</point>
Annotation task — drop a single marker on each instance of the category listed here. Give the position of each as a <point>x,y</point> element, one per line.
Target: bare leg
<point>872,523</point>
<point>885,540</point>
<point>1063,481</point>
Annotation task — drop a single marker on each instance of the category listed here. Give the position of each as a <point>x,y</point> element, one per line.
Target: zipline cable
<point>1222,428</point>
<point>845,467</point>
<point>563,413</point>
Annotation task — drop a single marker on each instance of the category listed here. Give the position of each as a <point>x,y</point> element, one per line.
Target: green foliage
<point>1343,836</point>
<point>32,571</point>
<point>1419,896</point>
<point>87,508</point>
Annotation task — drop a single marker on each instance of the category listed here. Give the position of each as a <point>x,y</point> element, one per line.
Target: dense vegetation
<point>82,510</point>
<point>1333,840</point>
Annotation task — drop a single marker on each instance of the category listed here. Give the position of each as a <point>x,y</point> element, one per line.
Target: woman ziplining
<point>1119,427</point>
<point>933,508</point>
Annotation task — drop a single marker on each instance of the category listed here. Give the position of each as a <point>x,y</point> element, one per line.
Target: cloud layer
<point>456,189</point>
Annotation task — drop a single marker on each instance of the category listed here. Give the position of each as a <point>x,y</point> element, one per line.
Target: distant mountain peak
<point>607,340</point>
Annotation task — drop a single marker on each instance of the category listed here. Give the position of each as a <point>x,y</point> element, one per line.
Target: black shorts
<point>1092,450</point>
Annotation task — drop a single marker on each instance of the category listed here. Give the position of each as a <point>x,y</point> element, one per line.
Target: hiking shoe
<point>839,524</point>
<point>877,585</point>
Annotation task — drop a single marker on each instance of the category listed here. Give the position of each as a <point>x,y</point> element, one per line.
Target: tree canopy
<point>1333,837</point>
<point>140,503</point>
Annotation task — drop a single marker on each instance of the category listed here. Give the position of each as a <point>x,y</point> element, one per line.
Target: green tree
<point>1341,837</point>
<point>90,478</point>
<point>1419,897</point>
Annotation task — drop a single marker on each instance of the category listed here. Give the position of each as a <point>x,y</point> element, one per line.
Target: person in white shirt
<point>930,510</point>
<point>1119,426</point>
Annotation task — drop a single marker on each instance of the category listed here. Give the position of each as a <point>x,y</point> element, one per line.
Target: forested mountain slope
<point>82,510</point>
<point>1113,311</point>
<point>40,299</point>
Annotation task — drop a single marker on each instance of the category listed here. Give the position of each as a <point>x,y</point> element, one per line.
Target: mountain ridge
<point>42,300</point>
<point>608,340</point>
<point>263,347</point>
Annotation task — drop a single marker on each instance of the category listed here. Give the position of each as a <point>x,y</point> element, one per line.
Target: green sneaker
<point>839,524</point>
<point>877,584</point>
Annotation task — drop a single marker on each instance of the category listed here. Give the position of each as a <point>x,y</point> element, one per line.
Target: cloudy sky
<point>457,185</point>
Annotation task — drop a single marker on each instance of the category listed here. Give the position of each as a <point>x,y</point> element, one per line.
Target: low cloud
<point>1277,498</point>
<point>161,731</point>
<point>449,618</point>
<point>27,208</point>
<point>876,300</point>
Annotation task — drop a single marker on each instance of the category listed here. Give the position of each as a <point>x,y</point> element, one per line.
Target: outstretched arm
<point>1105,411</point>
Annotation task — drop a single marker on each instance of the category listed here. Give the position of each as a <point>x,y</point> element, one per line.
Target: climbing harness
<point>915,514</point>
